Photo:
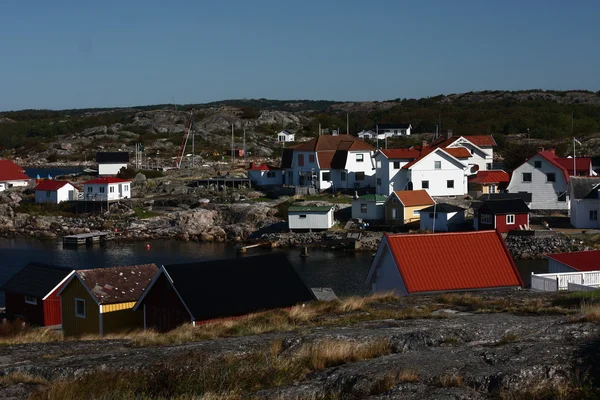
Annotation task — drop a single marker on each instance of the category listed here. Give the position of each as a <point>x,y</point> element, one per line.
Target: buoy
<point>147,246</point>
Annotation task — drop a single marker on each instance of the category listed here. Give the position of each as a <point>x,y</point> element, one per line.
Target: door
<point>120,190</point>
<point>71,195</point>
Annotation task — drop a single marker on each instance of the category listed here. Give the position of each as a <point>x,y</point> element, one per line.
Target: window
<point>510,219</point>
<point>360,157</point>
<point>90,189</point>
<point>343,176</point>
<point>378,164</point>
<point>450,184</point>
<point>301,160</point>
<point>360,176</point>
<point>396,164</point>
<point>311,158</point>
<point>424,184</point>
<point>394,213</point>
<point>111,189</point>
<point>486,219</point>
<point>526,176</point>
<point>378,181</point>
<point>302,216</point>
<point>326,176</point>
<point>416,213</point>
<point>488,166</point>
<point>363,208</point>
<point>126,187</point>
<point>102,189</point>
<point>550,177</point>
<point>593,215</point>
<point>561,196</point>
<point>537,164</point>
<point>492,189</point>
<point>437,164</point>
<point>80,308</point>
<point>48,193</point>
<point>270,174</point>
<point>31,300</point>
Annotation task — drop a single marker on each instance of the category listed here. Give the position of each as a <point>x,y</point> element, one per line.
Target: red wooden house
<point>32,294</point>
<point>199,292</point>
<point>501,215</point>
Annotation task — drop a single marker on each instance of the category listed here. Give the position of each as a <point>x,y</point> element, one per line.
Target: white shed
<point>310,218</point>
<point>54,192</point>
<point>369,207</point>
<point>285,136</point>
<point>265,175</point>
<point>447,218</point>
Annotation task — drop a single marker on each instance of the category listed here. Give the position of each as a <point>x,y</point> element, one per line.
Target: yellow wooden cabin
<point>100,301</point>
<point>404,206</point>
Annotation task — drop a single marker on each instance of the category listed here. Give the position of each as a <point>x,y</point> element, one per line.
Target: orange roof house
<point>403,206</point>
<point>488,182</point>
<point>442,262</point>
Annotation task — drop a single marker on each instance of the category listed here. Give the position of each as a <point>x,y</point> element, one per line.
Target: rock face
<point>529,247</point>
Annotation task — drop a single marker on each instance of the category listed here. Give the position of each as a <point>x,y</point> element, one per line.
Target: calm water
<point>43,172</point>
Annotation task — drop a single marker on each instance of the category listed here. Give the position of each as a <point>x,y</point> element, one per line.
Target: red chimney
<point>553,150</point>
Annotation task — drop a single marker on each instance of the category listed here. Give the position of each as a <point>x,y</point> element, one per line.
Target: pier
<point>243,249</point>
<point>86,238</point>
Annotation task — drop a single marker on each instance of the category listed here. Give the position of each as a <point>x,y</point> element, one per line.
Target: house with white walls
<point>11,175</point>
<point>442,217</point>
<point>480,147</point>
<point>265,175</point>
<point>390,130</point>
<point>546,177</point>
<point>308,218</point>
<point>370,135</point>
<point>286,136</point>
<point>584,195</point>
<point>389,173</point>
<point>330,162</point>
<point>111,162</point>
<point>106,189</point>
<point>54,192</point>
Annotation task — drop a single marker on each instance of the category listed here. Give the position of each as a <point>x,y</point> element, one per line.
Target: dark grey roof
<point>36,279</point>
<point>526,197</point>
<point>443,208</point>
<point>108,157</point>
<point>582,186</point>
<point>390,126</point>
<point>238,286</point>
<point>595,162</point>
<point>509,206</point>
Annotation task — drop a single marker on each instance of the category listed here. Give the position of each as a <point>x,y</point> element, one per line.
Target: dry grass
<point>408,376</point>
<point>331,353</point>
<point>21,377</point>
<point>17,332</point>
<point>507,338</point>
<point>589,312</point>
<point>450,380</point>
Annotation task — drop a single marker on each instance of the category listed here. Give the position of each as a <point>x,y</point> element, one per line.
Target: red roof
<point>447,261</point>
<point>401,153</point>
<point>579,260</point>
<point>9,171</point>
<point>51,185</point>
<point>105,181</point>
<point>458,152</point>
<point>410,198</point>
<point>263,167</point>
<point>477,140</point>
<point>582,164</point>
<point>493,176</point>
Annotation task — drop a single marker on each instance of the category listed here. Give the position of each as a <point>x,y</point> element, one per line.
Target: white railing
<point>575,287</point>
<point>561,281</point>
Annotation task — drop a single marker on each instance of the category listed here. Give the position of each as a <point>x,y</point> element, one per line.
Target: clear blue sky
<point>71,54</point>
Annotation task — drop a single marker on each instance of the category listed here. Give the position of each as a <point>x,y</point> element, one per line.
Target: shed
<point>501,215</point>
<point>32,293</point>
<point>442,217</point>
<point>100,301</point>
<point>585,202</point>
<point>576,261</point>
<point>11,175</point>
<point>442,262</point>
<point>202,291</point>
<point>54,192</point>
<point>310,217</point>
<point>111,162</point>
<point>404,206</point>
<point>369,207</point>
<point>265,175</point>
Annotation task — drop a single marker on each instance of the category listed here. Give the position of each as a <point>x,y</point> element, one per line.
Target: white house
<point>54,192</point>
<point>265,175</point>
<point>110,163</point>
<point>546,177</point>
<point>285,136</point>
<point>330,162</point>
<point>442,217</point>
<point>106,189</point>
<point>11,175</point>
<point>480,147</point>
<point>390,130</point>
<point>369,207</point>
<point>370,135</point>
<point>584,196</point>
<point>310,218</point>
<point>442,172</point>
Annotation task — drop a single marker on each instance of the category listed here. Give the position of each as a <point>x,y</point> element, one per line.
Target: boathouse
<point>304,218</point>
<point>189,293</point>
<point>576,261</point>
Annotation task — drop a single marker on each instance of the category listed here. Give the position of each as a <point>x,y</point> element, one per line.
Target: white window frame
<point>416,213</point>
<point>437,165</point>
<point>396,164</point>
<point>492,188</point>
<point>360,157</point>
<point>450,184</point>
<point>31,300</point>
<point>111,189</point>
<point>78,315</point>
<point>510,219</point>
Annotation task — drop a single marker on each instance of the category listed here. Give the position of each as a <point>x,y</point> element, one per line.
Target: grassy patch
<point>17,332</point>
<point>329,198</point>
<point>481,304</point>
<point>575,299</point>
<point>143,214</point>
<point>507,338</point>
<point>450,380</point>
<point>21,377</point>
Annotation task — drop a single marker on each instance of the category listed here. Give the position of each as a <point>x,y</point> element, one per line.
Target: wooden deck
<point>87,238</point>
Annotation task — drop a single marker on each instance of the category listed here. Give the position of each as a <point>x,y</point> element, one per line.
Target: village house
<point>584,194</point>
<point>546,177</point>
<point>442,262</point>
<point>501,215</point>
<point>442,217</point>
<point>32,294</point>
<point>526,197</point>
<point>480,147</point>
<point>111,162</point>
<point>106,189</point>
<point>304,218</point>
<point>330,162</point>
<point>187,294</point>
<point>390,130</point>
<point>369,207</point>
<point>100,301</point>
<point>54,192</point>
<point>488,182</point>
<point>370,135</point>
<point>11,175</point>
<point>265,175</point>
<point>576,261</point>
<point>285,136</point>
<point>404,206</point>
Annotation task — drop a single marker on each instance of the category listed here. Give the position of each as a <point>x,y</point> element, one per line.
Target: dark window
<point>396,164</point>
<point>424,184</point>
<point>363,208</point>
<point>326,176</point>
<point>437,164</point>
<point>343,175</point>
<point>302,216</point>
<point>450,184</point>
<point>378,181</point>
<point>526,176</point>
<point>562,196</point>
<point>593,215</point>
<point>359,157</point>
<point>80,308</point>
<point>360,176</point>
<point>311,158</point>
<point>537,164</point>
<point>301,160</point>
<point>271,174</point>
<point>551,177</point>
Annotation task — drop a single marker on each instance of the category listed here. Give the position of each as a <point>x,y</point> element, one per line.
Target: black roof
<point>443,208</point>
<point>36,279</point>
<point>510,206</point>
<point>287,158</point>
<point>390,126</point>
<point>582,186</point>
<point>238,286</point>
<point>595,161</point>
<point>112,157</point>
<point>526,197</point>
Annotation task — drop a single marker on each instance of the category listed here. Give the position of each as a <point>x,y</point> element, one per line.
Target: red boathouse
<point>501,215</point>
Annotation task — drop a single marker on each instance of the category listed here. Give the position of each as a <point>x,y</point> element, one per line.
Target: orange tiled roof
<point>410,198</point>
<point>493,176</point>
<point>458,152</point>
<point>401,153</point>
<point>445,261</point>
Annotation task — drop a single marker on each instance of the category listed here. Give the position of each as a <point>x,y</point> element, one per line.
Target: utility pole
<point>319,129</point>
<point>232,146</point>
<point>244,146</point>
<point>377,135</point>
<point>193,138</point>
<point>347,123</point>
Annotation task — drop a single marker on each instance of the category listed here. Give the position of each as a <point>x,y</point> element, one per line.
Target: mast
<point>244,146</point>
<point>232,146</point>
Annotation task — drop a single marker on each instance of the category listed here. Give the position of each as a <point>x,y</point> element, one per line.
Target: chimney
<point>448,133</point>
<point>553,150</point>
<point>424,143</point>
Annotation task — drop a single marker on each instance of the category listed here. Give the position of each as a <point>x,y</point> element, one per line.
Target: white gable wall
<point>310,220</point>
<point>110,169</point>
<point>112,191</point>
<point>580,213</point>
<point>480,156</point>
<point>425,170</point>
<point>65,193</point>
<point>367,165</point>
<point>392,178</point>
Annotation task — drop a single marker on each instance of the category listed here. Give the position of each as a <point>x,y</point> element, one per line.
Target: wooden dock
<point>243,249</point>
<point>87,238</point>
